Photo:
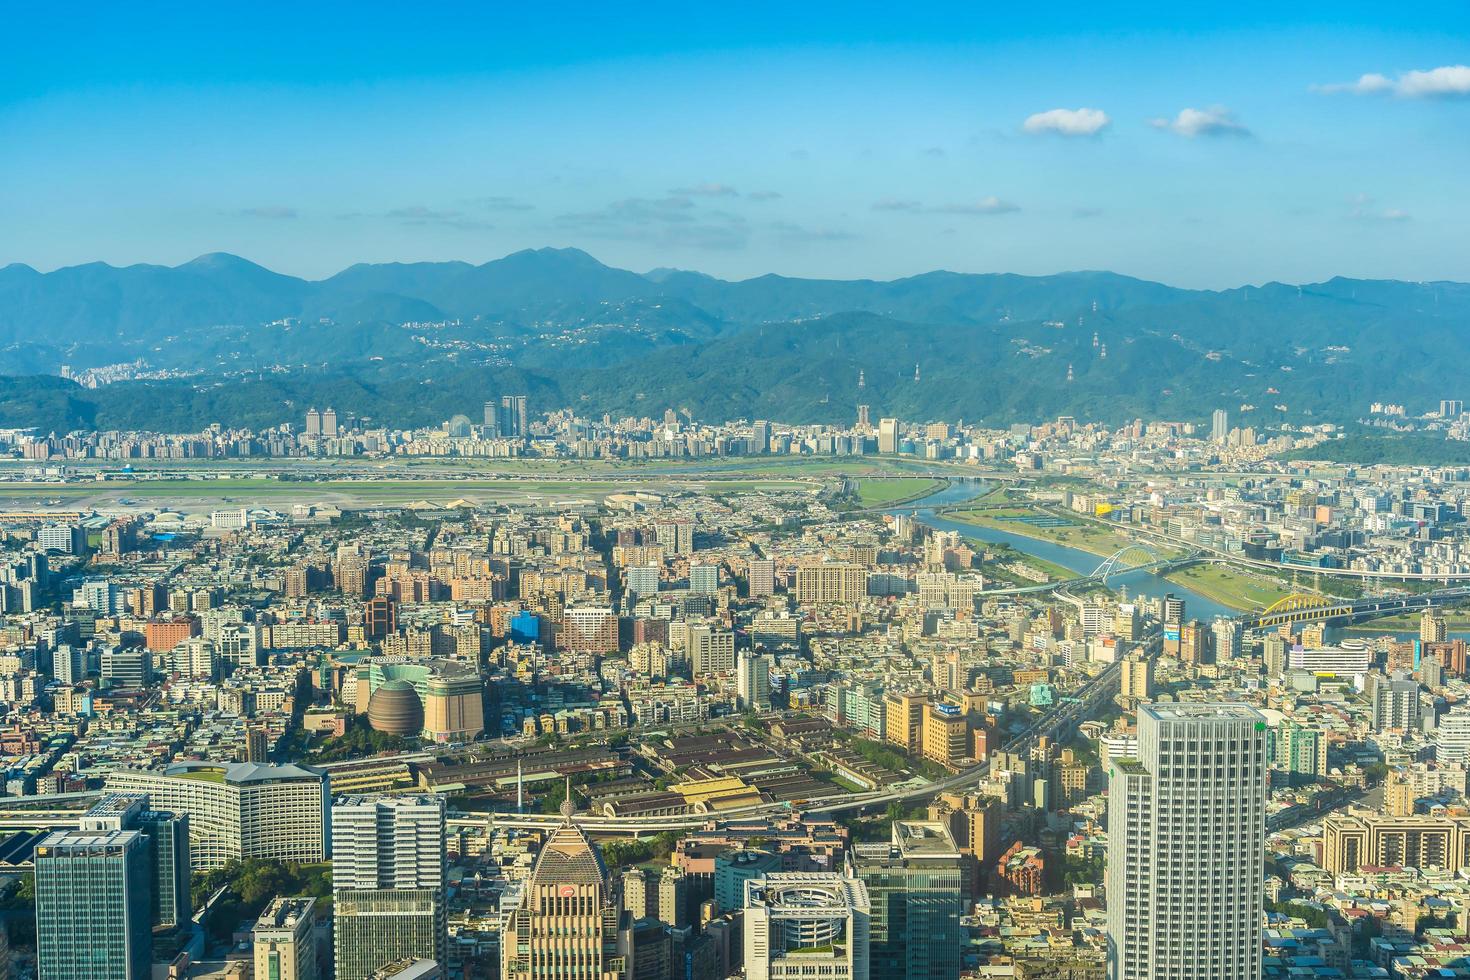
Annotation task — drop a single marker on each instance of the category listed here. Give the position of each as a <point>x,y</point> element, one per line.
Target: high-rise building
<point>313,422</point>
<point>760,436</point>
<point>167,835</point>
<point>831,582</point>
<point>1274,649</point>
<point>915,888</point>
<point>642,581</point>
<point>753,681</point>
<point>239,810</point>
<point>1228,637</point>
<point>762,577</point>
<point>1186,846</point>
<point>284,940</point>
<point>806,924</point>
<point>711,650</point>
<point>1452,737</point>
<point>329,423</point>
<point>1432,627</point>
<point>1136,674</point>
<point>888,436</point>
<point>566,926</point>
<point>514,422</point>
<point>1451,408</point>
<point>1219,425</point>
<point>93,905</point>
<point>492,418</point>
<point>388,881</point>
<point>1394,700</point>
<point>704,579</point>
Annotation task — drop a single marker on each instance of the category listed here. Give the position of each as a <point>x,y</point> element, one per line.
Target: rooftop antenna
<point>568,807</point>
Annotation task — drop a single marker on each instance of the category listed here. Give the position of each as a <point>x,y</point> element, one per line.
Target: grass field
<point>891,490</point>
<point>1231,586</point>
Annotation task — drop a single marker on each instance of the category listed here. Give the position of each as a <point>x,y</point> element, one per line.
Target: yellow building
<point>905,720</point>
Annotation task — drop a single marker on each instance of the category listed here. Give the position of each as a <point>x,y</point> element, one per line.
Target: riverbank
<point>1083,537</point>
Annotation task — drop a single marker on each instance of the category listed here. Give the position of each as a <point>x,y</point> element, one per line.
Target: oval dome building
<point>395,709</point>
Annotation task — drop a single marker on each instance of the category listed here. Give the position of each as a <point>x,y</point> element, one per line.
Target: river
<point>1196,606</point>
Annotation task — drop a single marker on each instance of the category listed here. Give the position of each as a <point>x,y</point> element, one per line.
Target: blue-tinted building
<point>525,627</point>
<point>94,906</point>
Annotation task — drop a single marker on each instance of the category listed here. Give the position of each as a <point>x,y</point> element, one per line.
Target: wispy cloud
<point>1364,208</point>
<point>800,234</point>
<point>986,205</point>
<point>419,215</point>
<point>500,203</point>
<point>1192,123</point>
<point>669,222</point>
<point>763,196</point>
<point>273,212</point>
<point>1086,212</point>
<point>1067,122</point>
<point>896,204</point>
<point>707,190</point>
<point>934,151</point>
<point>1445,82</point>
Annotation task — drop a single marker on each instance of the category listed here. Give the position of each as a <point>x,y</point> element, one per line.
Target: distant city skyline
<point>1195,148</point>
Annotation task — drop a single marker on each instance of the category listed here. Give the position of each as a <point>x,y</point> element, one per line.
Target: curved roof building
<point>395,709</point>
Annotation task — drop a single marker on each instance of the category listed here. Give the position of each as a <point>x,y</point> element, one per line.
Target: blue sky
<point>1238,143</point>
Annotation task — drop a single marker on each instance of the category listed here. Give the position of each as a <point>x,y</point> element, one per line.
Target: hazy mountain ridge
<point>572,331</point>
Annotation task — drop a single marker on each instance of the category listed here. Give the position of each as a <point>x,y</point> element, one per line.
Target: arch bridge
<point>1128,559</point>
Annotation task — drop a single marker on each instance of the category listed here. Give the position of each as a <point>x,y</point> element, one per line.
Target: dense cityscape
<point>655,698</point>
<point>658,491</point>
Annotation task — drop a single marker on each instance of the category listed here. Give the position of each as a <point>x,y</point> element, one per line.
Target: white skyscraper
<point>1219,425</point>
<point>388,878</point>
<point>1186,846</point>
<point>806,924</point>
<point>753,681</point>
<point>1452,738</point>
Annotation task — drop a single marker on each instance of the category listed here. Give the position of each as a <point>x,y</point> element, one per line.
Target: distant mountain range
<point>415,343</point>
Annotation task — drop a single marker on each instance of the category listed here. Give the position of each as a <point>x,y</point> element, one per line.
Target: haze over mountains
<point>415,343</point>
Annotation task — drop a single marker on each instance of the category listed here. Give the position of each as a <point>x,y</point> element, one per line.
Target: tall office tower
<point>635,892</point>
<point>760,437</point>
<point>284,940</point>
<point>762,577</point>
<point>915,893</point>
<point>566,927</point>
<point>863,423</point>
<point>239,810</point>
<point>753,681</point>
<point>1394,700</point>
<point>1228,635</point>
<point>513,418</point>
<point>806,924</point>
<point>492,418</point>
<point>1274,653</point>
<point>888,436</point>
<point>379,617</point>
<point>92,906</point>
<point>1432,627</point>
<point>1219,425</point>
<point>1173,609</point>
<point>704,579</point>
<point>1451,408</point>
<point>1452,737</point>
<point>1186,846</point>
<point>313,422</point>
<point>329,423</point>
<point>167,836</point>
<point>711,651</point>
<point>673,898</point>
<point>388,880</point>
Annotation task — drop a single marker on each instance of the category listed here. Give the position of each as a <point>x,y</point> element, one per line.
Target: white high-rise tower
<point>1186,846</point>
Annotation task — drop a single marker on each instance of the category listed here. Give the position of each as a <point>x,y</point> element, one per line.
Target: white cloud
<point>986,205</point>
<point>1191,123</point>
<point>1068,122</point>
<point>1365,209</point>
<point>896,204</point>
<point>1447,81</point>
